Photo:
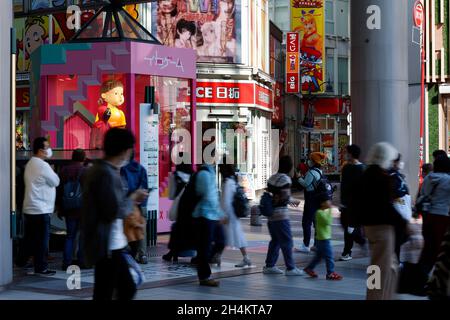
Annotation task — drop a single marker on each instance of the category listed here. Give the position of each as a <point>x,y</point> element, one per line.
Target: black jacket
<point>104,200</point>
<point>374,197</point>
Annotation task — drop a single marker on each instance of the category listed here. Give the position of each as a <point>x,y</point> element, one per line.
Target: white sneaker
<point>295,272</point>
<point>244,262</point>
<point>303,249</point>
<point>347,257</point>
<point>272,270</point>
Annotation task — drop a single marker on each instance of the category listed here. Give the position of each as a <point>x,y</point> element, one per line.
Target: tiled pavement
<point>178,281</point>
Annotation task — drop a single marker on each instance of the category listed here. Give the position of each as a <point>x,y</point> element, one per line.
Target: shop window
<point>343,71</point>
<point>329,18</point>
<point>343,123</point>
<point>331,122</point>
<point>330,70</point>
<point>320,124</point>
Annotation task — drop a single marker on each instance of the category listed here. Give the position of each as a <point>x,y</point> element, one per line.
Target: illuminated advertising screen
<point>211,27</point>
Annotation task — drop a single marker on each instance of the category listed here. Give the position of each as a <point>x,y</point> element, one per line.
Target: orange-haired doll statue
<point>108,114</point>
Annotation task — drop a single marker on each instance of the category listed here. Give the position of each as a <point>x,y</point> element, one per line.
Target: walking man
<point>105,206</point>
<point>351,175</point>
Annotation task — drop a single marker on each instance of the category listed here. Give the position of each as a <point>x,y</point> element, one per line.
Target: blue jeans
<point>281,237</point>
<point>309,213</point>
<point>325,251</point>
<point>73,227</point>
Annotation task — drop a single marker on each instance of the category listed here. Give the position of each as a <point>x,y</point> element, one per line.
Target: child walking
<point>278,223</point>
<point>324,220</point>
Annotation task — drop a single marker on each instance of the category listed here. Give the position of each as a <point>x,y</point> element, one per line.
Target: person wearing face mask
<point>400,191</point>
<point>106,205</point>
<point>309,183</point>
<point>39,203</point>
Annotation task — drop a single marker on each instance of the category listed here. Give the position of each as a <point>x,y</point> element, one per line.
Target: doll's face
<point>114,96</point>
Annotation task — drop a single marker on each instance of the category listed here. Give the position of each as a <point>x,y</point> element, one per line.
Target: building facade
<point>320,121</point>
<point>437,76</point>
<point>234,87</point>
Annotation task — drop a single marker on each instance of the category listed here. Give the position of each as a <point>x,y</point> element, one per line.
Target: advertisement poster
<point>308,19</point>
<point>292,62</point>
<point>211,27</point>
<point>277,115</point>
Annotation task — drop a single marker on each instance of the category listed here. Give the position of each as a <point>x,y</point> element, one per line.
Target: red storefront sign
<point>22,97</point>
<point>263,97</point>
<point>332,105</point>
<point>277,115</point>
<point>292,62</point>
<point>225,93</point>
<point>229,93</point>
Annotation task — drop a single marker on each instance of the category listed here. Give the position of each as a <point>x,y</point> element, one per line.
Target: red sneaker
<point>310,272</point>
<point>334,276</point>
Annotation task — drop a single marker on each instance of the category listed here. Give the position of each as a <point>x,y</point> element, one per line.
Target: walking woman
<point>177,242</point>
<point>375,211</point>
<point>235,236</point>
<point>436,191</point>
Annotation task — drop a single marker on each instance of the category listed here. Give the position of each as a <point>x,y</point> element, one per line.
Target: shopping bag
<point>403,207</point>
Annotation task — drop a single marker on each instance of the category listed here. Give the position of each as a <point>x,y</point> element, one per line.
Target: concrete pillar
<point>379,73</point>
<point>5,110</point>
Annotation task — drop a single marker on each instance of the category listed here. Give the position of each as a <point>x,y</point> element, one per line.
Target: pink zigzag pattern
<point>100,65</point>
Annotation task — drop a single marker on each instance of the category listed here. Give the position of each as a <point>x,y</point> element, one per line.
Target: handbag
<point>135,270</point>
<point>423,204</point>
<point>403,207</point>
<point>173,212</point>
<point>134,225</point>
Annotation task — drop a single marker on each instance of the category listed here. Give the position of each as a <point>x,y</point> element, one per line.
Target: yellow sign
<point>308,19</point>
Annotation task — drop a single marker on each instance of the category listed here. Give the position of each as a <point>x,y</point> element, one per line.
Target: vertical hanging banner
<point>308,19</point>
<point>292,63</point>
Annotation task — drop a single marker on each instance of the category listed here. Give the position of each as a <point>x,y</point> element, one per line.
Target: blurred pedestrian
<point>69,201</point>
<point>427,168</point>
<point>279,185</point>
<point>234,234</point>
<point>105,206</point>
<point>439,154</point>
<point>208,219</point>
<point>179,241</point>
<point>376,212</point>
<point>39,204</point>
<point>324,220</point>
<point>436,191</point>
<point>350,177</point>
<point>309,183</point>
<point>401,194</point>
<point>135,176</point>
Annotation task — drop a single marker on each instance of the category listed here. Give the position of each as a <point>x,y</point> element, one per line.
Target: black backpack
<point>185,228</point>
<point>241,204</point>
<point>322,187</point>
<point>72,197</point>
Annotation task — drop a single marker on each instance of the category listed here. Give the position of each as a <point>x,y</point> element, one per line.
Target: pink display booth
<point>66,87</point>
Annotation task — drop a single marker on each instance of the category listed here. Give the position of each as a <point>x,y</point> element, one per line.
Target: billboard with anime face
<point>211,27</point>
